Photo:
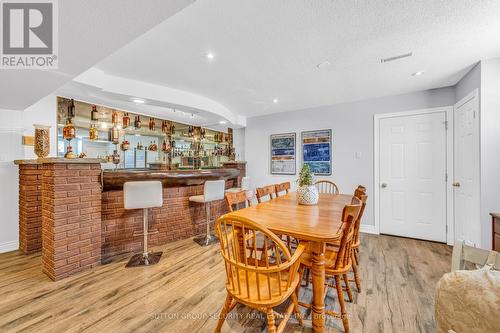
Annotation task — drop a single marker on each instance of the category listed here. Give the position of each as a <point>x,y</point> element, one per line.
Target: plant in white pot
<point>307,193</point>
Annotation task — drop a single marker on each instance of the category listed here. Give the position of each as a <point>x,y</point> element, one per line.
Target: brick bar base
<point>30,206</point>
<point>177,219</point>
<point>71,218</point>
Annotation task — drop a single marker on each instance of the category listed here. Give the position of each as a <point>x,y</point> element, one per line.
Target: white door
<point>412,175</point>
<point>466,164</point>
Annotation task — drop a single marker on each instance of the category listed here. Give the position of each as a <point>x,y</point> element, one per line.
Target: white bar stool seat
<point>143,195</point>
<point>245,186</point>
<point>213,190</point>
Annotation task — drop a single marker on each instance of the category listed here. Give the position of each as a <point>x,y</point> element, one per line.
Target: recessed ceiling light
<point>275,101</point>
<point>222,122</point>
<point>418,73</point>
<point>138,100</point>
<point>210,56</point>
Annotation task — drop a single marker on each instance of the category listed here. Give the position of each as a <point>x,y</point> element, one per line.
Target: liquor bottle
<point>71,109</point>
<point>114,135</point>
<point>94,114</point>
<point>93,132</point>
<point>114,118</point>
<point>137,123</point>
<point>164,146</point>
<point>69,130</point>
<point>126,120</point>
<point>152,124</point>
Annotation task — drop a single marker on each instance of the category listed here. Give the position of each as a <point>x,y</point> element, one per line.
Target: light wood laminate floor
<point>184,293</point>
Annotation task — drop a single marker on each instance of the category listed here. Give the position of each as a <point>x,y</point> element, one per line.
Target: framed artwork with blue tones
<point>283,154</point>
<point>317,151</point>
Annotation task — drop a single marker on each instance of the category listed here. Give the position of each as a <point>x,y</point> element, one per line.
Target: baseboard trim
<point>9,246</point>
<point>368,229</point>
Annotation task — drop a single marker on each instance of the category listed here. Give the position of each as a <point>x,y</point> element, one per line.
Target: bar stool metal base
<point>140,259</point>
<point>203,240</point>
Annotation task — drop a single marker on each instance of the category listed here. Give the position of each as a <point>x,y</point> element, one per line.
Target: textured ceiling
<point>270,49</point>
<point>89,30</point>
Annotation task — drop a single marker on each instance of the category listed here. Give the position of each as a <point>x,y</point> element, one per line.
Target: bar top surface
<point>60,160</point>
<point>114,180</point>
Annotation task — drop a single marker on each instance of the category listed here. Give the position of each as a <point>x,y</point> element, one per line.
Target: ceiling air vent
<point>401,56</point>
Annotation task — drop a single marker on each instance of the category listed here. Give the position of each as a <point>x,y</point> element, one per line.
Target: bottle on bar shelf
<point>126,120</point>
<point>93,133</point>
<point>137,122</point>
<point>114,135</point>
<point>71,109</point>
<point>69,130</point>
<point>114,118</point>
<point>152,124</point>
<point>94,114</point>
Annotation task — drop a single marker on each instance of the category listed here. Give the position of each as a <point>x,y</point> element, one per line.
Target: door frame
<point>474,94</point>
<point>448,110</point>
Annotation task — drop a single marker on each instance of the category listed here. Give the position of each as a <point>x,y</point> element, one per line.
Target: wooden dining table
<point>318,224</point>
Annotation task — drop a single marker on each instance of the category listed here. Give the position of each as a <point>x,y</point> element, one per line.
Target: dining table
<point>317,224</point>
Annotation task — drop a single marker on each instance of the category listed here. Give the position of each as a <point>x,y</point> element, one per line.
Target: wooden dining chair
<point>326,186</point>
<point>236,199</point>
<point>257,279</point>
<point>262,192</point>
<point>338,262</point>
<point>283,187</point>
<point>361,195</point>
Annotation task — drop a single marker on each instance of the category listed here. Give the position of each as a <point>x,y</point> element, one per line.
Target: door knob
<point>456,184</point>
<point>383,185</point>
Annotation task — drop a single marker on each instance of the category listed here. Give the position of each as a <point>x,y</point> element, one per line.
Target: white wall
<point>352,127</point>
<point>471,81</point>
<point>10,149</point>
<point>239,143</point>
<point>13,125</point>
<point>490,145</point>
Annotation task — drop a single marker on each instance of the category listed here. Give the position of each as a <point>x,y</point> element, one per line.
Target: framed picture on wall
<point>283,154</point>
<point>317,151</point>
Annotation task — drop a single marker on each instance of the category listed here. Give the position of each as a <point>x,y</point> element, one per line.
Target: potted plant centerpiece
<point>307,193</point>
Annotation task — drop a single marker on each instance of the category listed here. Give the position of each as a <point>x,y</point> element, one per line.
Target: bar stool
<point>143,195</point>
<point>245,186</point>
<point>213,190</point>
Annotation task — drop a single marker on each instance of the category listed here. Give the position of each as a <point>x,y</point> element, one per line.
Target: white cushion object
<point>197,198</point>
<point>234,190</point>
<point>214,190</point>
<point>245,183</point>
<point>142,194</point>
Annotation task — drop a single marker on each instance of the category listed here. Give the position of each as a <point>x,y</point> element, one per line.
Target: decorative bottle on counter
<point>69,130</point>
<point>116,157</point>
<point>94,114</point>
<point>93,132</point>
<point>126,120</point>
<point>71,109</point>
<point>69,153</point>
<point>42,141</point>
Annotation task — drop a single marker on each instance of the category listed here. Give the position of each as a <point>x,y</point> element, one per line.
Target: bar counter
<point>72,211</point>
<point>113,180</point>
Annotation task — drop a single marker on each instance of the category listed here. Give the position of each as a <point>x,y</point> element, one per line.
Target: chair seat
<point>241,292</point>
<point>330,257</point>
<point>234,190</point>
<point>197,198</point>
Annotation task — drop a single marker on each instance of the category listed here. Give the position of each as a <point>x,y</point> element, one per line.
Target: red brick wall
<point>71,218</point>
<point>177,219</point>
<point>30,208</point>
